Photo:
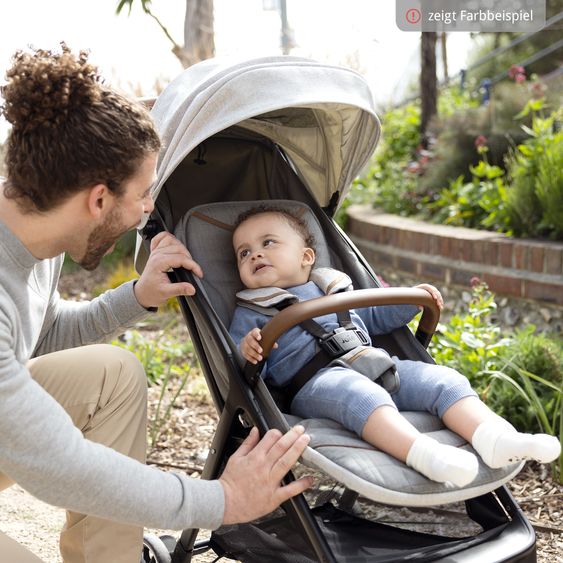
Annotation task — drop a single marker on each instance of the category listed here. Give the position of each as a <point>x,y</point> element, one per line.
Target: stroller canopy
<point>322,116</point>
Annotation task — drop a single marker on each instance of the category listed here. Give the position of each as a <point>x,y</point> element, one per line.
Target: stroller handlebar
<point>298,312</point>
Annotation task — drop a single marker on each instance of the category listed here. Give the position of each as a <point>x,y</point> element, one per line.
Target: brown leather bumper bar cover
<point>298,312</point>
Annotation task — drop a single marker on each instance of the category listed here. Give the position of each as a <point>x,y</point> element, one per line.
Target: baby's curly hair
<point>69,131</point>
<point>294,221</point>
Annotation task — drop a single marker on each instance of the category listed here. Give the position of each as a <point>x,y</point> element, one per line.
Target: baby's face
<point>270,253</point>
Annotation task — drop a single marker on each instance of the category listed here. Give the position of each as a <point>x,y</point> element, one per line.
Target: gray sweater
<point>40,448</point>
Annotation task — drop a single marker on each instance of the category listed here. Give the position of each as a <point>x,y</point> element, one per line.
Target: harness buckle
<point>343,340</point>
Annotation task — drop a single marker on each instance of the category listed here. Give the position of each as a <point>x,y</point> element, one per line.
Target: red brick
<point>544,291</point>
<point>462,277</point>
<point>432,271</point>
<point>504,284</point>
<point>393,236</point>
<point>491,253</point>
<point>407,265</point>
<point>478,251</point>
<point>418,241</point>
<point>384,235</point>
<point>536,258</point>
<point>358,228</point>
<point>453,249</point>
<point>466,250</point>
<point>553,260</point>
<point>445,247</point>
<point>505,250</point>
<point>402,241</point>
<point>521,256</point>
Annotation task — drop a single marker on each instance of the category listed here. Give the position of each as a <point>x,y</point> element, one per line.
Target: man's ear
<point>308,257</point>
<point>98,200</point>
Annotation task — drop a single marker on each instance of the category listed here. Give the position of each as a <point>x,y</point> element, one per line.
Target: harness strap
<point>320,360</point>
<point>346,346</point>
<point>350,338</point>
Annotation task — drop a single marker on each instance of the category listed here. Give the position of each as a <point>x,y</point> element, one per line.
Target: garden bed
<point>523,268</point>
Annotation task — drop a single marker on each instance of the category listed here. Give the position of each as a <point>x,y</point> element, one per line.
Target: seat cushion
<point>380,477</point>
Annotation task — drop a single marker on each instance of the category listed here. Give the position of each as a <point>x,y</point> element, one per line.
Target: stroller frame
<point>507,534</point>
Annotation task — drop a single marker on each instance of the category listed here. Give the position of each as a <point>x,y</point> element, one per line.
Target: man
<point>80,163</point>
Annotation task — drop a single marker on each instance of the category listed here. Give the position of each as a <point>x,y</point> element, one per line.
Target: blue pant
<point>349,398</point>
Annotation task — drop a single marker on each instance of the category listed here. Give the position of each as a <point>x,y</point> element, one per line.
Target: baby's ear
<point>308,256</point>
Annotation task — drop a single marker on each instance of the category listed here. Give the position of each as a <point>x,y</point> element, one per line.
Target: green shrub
<point>476,204</point>
<point>386,184</point>
<point>549,186</point>
<point>534,199</point>
<point>528,382</point>
<point>455,133</point>
<point>518,375</point>
<point>168,364</point>
<point>471,343</point>
<point>401,134</point>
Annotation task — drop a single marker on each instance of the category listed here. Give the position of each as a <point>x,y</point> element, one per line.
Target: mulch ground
<point>187,434</point>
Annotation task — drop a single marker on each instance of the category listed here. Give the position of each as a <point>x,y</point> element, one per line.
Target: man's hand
<point>251,480</point>
<point>434,292</point>
<point>154,286</point>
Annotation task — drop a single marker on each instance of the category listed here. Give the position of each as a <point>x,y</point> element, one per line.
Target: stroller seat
<point>207,232</point>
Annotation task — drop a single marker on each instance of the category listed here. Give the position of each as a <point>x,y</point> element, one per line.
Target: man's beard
<point>101,239</point>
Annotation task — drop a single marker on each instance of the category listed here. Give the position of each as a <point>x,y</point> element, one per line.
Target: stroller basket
<point>351,539</point>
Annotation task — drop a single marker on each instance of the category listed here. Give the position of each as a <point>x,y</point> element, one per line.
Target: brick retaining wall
<point>523,268</point>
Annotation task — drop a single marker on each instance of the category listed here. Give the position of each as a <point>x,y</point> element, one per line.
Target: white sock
<point>499,444</point>
<point>442,463</point>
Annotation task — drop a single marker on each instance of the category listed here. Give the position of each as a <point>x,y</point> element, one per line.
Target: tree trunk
<point>428,82</point>
<point>443,39</point>
<point>199,42</point>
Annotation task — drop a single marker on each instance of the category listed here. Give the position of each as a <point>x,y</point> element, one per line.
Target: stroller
<point>296,132</point>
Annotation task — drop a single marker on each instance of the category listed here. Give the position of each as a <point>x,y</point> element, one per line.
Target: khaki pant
<point>103,388</point>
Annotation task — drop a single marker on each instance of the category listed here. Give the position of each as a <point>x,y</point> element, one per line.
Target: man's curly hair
<point>69,131</point>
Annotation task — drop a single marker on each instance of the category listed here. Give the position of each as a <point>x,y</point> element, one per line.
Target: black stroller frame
<point>303,533</point>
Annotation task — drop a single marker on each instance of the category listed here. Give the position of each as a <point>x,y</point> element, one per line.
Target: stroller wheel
<point>155,550</point>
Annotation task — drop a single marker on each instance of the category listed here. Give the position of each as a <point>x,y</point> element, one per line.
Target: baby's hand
<point>436,295</point>
<point>250,347</point>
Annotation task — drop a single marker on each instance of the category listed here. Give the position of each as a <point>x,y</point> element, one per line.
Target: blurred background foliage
<point>494,166</point>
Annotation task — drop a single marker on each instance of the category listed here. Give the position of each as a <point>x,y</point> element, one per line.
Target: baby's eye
<point>269,242</point>
<point>244,253</point>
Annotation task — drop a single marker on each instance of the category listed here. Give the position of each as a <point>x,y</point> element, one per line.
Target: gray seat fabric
<point>207,231</point>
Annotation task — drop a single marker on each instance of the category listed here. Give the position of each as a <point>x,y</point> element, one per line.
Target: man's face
<point>126,214</point>
<point>270,253</point>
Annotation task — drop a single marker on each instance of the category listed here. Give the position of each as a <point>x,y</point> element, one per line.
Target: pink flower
<point>481,141</point>
<point>514,71</point>
<point>520,78</point>
<point>475,281</point>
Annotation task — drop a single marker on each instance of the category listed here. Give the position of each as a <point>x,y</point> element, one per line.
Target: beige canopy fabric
<point>322,116</point>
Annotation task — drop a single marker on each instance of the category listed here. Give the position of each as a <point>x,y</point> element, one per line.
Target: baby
<point>274,249</point>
